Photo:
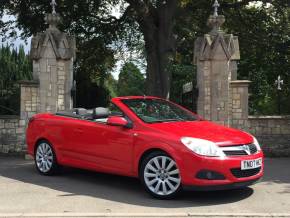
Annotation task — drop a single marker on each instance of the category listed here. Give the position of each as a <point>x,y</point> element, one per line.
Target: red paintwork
<point>118,150</point>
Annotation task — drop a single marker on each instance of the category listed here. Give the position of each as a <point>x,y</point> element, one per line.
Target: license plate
<point>251,164</point>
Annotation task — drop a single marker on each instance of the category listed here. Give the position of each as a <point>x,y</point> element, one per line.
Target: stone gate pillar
<point>53,53</point>
<point>215,55</point>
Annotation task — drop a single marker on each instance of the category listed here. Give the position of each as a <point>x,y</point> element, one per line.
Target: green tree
<point>91,21</point>
<point>14,66</point>
<point>263,33</point>
<point>181,74</point>
<point>131,81</point>
<point>168,28</point>
<point>111,85</point>
<point>95,58</point>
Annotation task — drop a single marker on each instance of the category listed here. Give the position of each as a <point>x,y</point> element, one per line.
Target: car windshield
<point>158,110</point>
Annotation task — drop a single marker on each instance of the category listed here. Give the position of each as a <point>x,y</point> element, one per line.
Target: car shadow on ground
<point>74,182</point>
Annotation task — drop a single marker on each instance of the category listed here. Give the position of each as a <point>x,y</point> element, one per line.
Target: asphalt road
<point>24,191</point>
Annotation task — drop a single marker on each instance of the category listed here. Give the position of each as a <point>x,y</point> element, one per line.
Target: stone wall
<point>29,99</point>
<point>55,81</point>
<point>239,104</point>
<point>53,53</point>
<point>12,128</point>
<point>273,133</point>
<point>12,137</point>
<point>215,55</point>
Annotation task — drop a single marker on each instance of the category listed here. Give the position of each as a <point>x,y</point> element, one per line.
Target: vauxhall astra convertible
<point>166,146</point>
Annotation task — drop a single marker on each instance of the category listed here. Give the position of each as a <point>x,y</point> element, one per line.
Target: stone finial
<point>216,5</point>
<point>53,4</point>
<point>52,20</point>
<point>64,46</point>
<point>217,45</point>
<point>215,21</point>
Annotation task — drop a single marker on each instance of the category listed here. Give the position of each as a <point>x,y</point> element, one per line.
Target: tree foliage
<point>169,28</point>
<point>14,66</point>
<point>83,19</point>
<point>263,32</point>
<point>131,81</point>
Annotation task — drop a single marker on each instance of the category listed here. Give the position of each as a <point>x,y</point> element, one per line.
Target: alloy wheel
<point>44,157</point>
<point>161,176</point>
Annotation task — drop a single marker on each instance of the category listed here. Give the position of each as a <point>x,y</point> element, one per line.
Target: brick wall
<point>12,134</point>
<point>273,133</point>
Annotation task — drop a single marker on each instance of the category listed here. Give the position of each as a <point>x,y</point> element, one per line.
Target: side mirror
<point>118,121</point>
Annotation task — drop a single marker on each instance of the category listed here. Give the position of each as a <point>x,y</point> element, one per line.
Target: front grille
<point>238,173</point>
<point>240,150</point>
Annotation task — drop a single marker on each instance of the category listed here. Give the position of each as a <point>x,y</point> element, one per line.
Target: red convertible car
<point>165,145</point>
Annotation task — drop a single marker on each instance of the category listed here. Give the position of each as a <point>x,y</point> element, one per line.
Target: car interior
<point>99,114</point>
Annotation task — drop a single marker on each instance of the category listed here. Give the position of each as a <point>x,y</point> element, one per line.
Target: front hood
<point>219,134</point>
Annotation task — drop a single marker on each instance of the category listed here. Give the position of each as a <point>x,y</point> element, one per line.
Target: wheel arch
<point>146,153</point>
<point>38,141</point>
<point>153,148</point>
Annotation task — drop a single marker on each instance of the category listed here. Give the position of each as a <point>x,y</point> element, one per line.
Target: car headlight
<point>202,147</point>
<point>255,142</point>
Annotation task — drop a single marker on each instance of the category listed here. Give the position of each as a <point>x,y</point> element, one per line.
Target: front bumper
<point>190,164</point>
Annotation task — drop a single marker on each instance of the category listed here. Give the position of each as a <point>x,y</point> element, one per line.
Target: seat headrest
<point>80,111</point>
<point>100,112</point>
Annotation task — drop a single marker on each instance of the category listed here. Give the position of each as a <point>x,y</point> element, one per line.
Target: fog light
<point>209,175</point>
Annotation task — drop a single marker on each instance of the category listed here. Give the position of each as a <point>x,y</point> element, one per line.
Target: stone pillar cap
<point>53,20</point>
<point>215,23</point>
<point>240,83</point>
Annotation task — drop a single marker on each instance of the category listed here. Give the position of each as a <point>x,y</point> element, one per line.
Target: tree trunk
<point>157,28</point>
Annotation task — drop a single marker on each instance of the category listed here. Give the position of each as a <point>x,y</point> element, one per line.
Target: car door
<point>89,142</point>
<point>106,147</point>
<point>72,137</point>
<point>119,149</point>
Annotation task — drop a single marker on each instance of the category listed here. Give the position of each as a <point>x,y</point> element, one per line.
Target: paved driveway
<point>23,190</point>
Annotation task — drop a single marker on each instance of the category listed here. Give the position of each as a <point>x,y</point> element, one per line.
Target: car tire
<point>45,159</point>
<point>160,175</point>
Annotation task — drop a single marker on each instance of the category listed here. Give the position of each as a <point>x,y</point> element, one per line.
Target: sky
<point>18,41</point>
